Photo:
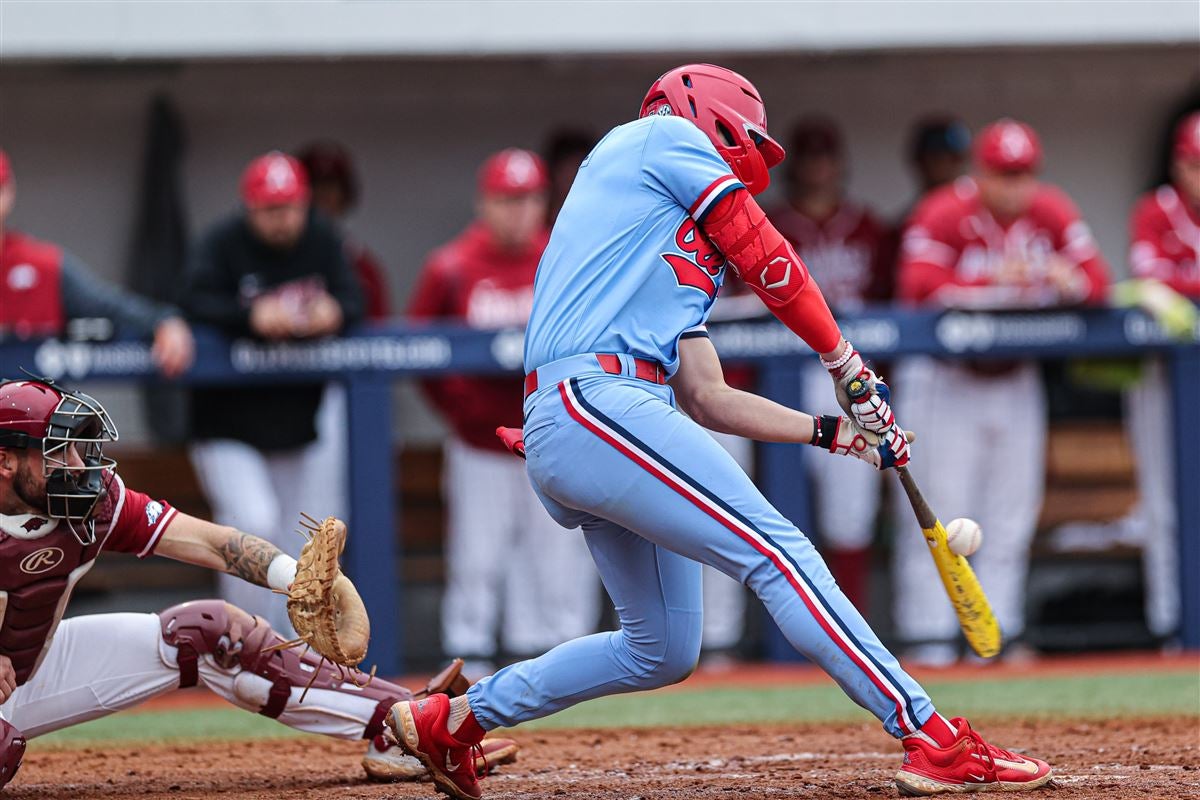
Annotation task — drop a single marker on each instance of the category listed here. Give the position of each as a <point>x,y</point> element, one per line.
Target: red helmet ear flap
<point>751,169</point>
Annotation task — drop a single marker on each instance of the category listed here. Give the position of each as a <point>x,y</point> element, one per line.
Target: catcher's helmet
<point>728,109</point>
<point>35,413</point>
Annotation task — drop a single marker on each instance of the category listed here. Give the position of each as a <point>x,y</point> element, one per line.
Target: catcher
<point>62,504</point>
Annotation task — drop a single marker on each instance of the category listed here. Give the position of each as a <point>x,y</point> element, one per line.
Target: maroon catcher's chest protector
<point>38,574</point>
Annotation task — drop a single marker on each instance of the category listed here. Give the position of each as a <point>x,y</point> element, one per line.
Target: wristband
<point>825,430</point>
<point>281,572</point>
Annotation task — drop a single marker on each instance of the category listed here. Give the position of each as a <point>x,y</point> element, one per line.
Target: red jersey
<point>844,253</point>
<point>41,561</point>
<point>952,240</point>
<point>30,286</point>
<point>1165,236</point>
<point>472,281</point>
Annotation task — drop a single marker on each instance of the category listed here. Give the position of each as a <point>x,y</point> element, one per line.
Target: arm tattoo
<point>248,557</point>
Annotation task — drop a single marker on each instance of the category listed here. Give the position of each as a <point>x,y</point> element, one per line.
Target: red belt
<point>643,368</point>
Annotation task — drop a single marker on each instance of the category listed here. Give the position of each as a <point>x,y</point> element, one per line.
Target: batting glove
<point>841,436</point>
<point>872,411</point>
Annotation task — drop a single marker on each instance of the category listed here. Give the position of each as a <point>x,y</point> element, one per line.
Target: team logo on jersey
<point>22,277</point>
<point>701,267</point>
<point>42,560</point>
<point>154,510</point>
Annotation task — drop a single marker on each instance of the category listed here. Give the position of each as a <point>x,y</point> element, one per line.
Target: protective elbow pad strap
<point>770,266</point>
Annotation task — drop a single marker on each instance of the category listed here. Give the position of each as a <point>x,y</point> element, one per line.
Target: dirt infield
<point>1153,758</point>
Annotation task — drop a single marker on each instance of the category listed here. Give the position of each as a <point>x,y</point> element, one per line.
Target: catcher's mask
<point>36,413</point>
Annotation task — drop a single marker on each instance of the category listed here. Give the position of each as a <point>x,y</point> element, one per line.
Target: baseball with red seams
<point>964,536</point>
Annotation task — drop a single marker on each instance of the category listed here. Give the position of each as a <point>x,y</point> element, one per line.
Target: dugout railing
<point>372,357</point>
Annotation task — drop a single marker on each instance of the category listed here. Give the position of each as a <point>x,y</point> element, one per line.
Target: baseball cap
<point>330,161</point>
<point>815,136</point>
<point>274,179</point>
<point>513,171</point>
<point>941,134</point>
<point>6,174</point>
<point>1008,146</point>
<point>1187,137</point>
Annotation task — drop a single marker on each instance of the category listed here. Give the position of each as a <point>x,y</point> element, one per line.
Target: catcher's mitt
<point>323,605</point>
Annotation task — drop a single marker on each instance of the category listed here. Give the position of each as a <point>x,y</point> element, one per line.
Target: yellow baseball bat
<point>966,595</point>
<point>974,612</point>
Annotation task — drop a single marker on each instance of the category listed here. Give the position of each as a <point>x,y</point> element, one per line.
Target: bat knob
<point>857,389</point>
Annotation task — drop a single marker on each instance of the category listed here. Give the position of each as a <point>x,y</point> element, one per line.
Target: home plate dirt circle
<point>1119,758</point>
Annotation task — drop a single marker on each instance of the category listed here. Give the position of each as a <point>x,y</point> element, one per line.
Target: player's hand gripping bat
<point>970,603</point>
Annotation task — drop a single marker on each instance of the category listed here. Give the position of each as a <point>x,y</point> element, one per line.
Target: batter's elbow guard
<point>771,267</point>
<point>12,751</point>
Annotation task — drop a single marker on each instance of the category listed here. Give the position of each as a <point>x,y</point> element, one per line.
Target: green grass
<point>1088,696</point>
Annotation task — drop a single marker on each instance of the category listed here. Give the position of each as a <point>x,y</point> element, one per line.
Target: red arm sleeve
<point>769,265</point>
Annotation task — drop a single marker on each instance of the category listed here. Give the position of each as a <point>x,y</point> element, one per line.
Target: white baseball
<point>964,536</point>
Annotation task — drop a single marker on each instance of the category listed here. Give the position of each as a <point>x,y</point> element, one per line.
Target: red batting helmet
<point>728,109</point>
<point>1187,137</point>
<point>37,414</point>
<point>1008,146</point>
<point>274,179</point>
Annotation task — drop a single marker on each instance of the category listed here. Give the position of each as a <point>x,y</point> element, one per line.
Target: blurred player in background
<point>43,287</point>
<point>506,559</point>
<point>62,504</point>
<point>843,247</point>
<point>336,189</point>
<point>1165,250</point>
<point>939,152</point>
<point>565,151</point>
<point>998,239</point>
<point>276,271</point>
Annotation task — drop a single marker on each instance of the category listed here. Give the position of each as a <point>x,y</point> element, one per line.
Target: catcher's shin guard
<point>12,750</point>
<point>239,642</point>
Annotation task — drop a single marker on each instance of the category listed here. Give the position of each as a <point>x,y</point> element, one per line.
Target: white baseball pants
<point>102,663</point>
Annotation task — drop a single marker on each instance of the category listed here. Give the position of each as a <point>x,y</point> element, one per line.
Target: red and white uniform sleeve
<point>930,251</point>
<point>1165,241</point>
<point>1074,241</point>
<point>139,523</point>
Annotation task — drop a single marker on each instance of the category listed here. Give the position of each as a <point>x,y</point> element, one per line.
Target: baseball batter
<point>61,505</point>
<point>615,352</point>
<point>996,239</point>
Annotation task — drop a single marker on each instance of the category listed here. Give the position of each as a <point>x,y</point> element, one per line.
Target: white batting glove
<point>870,407</point>
<point>841,436</point>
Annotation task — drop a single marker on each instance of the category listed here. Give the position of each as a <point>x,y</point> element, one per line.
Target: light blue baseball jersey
<point>627,270</point>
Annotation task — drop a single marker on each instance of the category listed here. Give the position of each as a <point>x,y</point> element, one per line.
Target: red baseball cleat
<point>969,765</point>
<point>420,727</point>
<point>386,762</point>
